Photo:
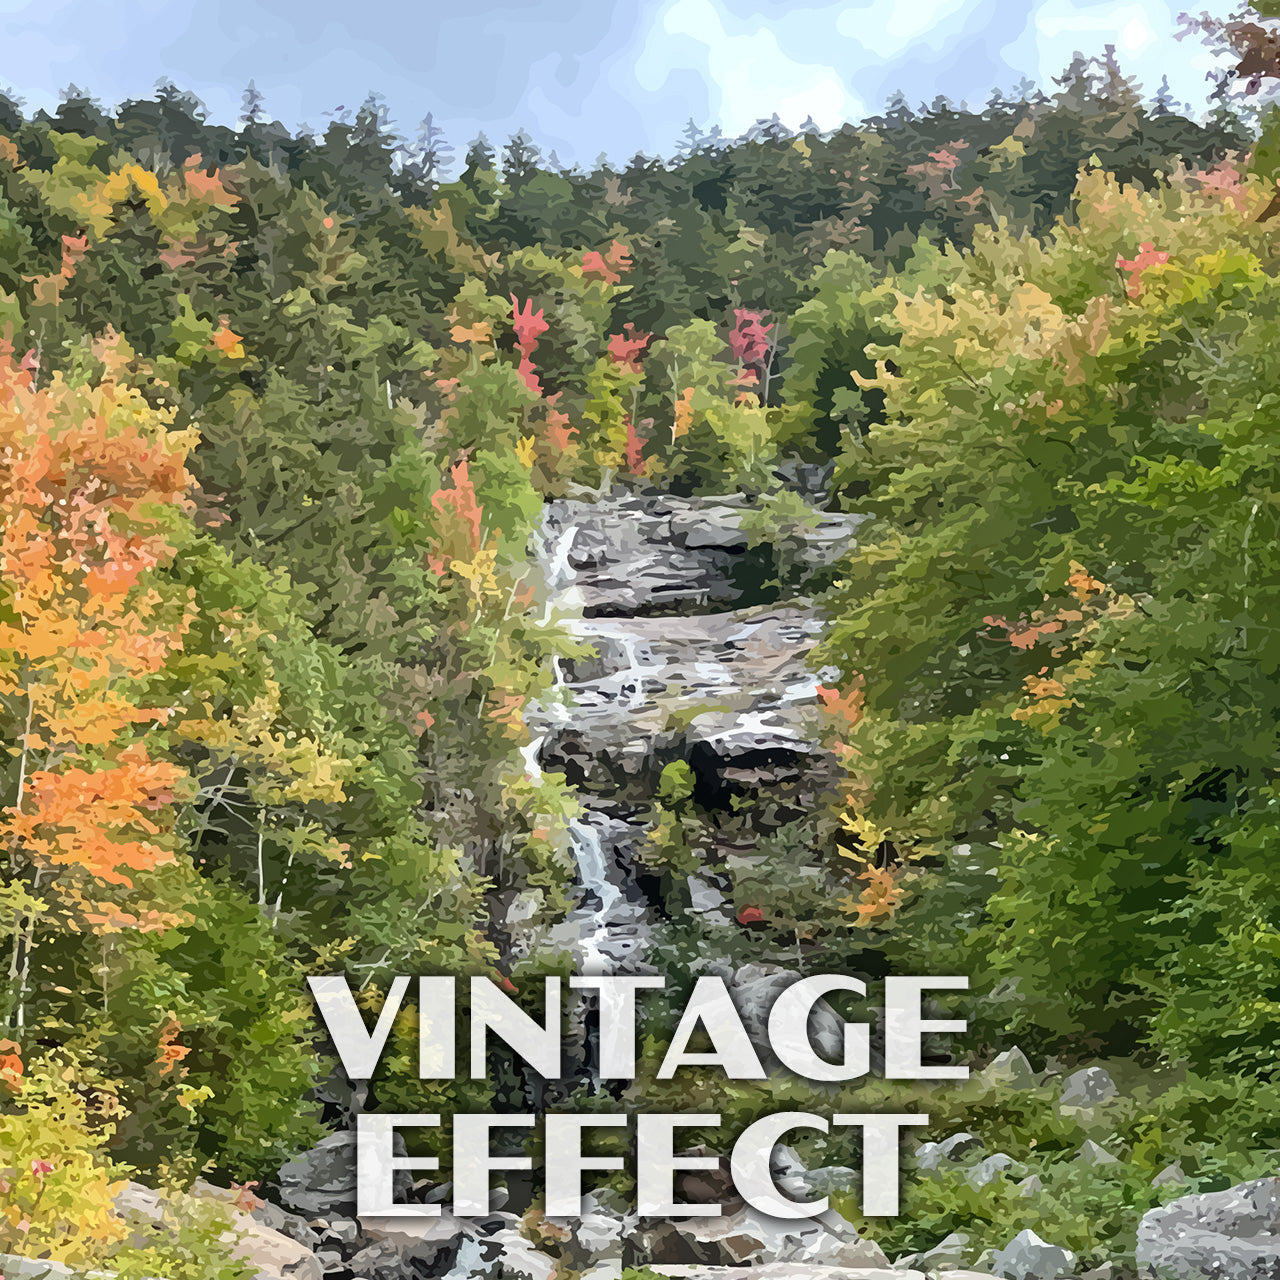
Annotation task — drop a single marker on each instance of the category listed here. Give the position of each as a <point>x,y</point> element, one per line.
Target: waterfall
<point>598,956</point>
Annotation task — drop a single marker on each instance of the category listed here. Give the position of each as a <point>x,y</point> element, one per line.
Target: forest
<point>302,439</point>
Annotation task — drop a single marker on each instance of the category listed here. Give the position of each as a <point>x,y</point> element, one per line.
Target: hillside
<point>849,553</point>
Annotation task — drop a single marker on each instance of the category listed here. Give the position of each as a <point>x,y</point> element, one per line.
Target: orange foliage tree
<point>92,491</point>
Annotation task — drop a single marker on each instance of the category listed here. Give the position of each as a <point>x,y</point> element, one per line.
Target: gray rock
<point>949,1252</point>
<point>1229,1235</point>
<point>260,1238</point>
<point>1027,1257</point>
<point>751,1237</point>
<point>603,1271</point>
<point>754,989</point>
<point>519,1260</point>
<point>1030,1186</point>
<point>323,1180</point>
<point>780,1271</point>
<point>419,1239</point>
<point>987,1171</point>
<point>274,1254</point>
<point>963,1274</point>
<point>1170,1175</point>
<point>1107,1271</point>
<point>595,1236</point>
<point>1087,1088</point>
<point>1009,1070</point>
<point>630,554</point>
<point>380,1260</point>
<point>13,1267</point>
<point>933,1155</point>
<point>1091,1153</point>
<point>342,1231</point>
<point>599,1236</point>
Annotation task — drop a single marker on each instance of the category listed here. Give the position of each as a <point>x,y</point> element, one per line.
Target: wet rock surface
<point>644,554</point>
<point>666,670</point>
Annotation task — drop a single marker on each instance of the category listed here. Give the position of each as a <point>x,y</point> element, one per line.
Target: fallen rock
<point>1009,1070</point>
<point>341,1231</point>
<point>274,1254</point>
<point>1030,1186</point>
<point>987,1171</point>
<point>1087,1088</point>
<point>595,1237</point>
<point>259,1238</point>
<point>13,1267</point>
<point>1170,1175</point>
<point>1091,1153</point>
<point>323,1180</point>
<point>1229,1235</point>
<point>1027,1257</point>
<point>751,1237</point>
<point>268,1214</point>
<point>932,1155</point>
<point>1107,1271</point>
<point>781,1271</point>
<point>519,1260</point>
<point>948,1252</point>
<point>419,1239</point>
<point>380,1260</point>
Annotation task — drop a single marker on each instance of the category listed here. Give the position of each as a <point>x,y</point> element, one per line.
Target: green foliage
<point>1053,392</point>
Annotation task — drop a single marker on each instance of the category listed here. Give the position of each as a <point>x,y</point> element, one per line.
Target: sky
<point>582,77</point>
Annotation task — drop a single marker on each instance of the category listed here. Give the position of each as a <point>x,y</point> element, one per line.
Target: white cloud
<point>888,30</point>
<point>1141,30</point>
<point>746,68</point>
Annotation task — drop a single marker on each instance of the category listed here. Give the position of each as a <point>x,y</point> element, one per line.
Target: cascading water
<point>728,685</point>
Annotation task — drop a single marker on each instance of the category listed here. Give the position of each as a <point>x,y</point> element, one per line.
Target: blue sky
<point>582,76</point>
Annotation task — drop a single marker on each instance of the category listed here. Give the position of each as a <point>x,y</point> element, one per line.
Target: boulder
<point>518,1259</point>
<point>1027,1257</point>
<point>12,1267</point>
<point>1229,1235</point>
<point>274,1254</point>
<point>1030,1186</point>
<point>949,1252</point>
<point>1091,1153</point>
<point>1171,1175</point>
<point>599,1236</point>
<point>419,1239</point>
<point>262,1212</point>
<point>1087,1088</point>
<point>1009,1070</point>
<point>323,1180</point>
<point>752,1237</point>
<point>932,1155</point>
<point>987,1171</point>
<point>780,1271</point>
<point>504,1255</point>
<point>380,1260</point>
<point>1107,1271</point>
<point>603,1271</point>
<point>256,1238</point>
